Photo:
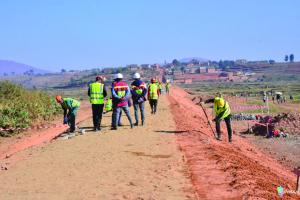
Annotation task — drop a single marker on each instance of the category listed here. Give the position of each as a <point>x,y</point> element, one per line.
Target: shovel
<point>208,120</point>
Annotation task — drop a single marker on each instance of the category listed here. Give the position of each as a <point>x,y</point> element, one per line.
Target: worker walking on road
<point>138,94</point>
<point>168,87</point>
<point>284,98</point>
<point>72,105</point>
<point>222,112</point>
<point>120,92</point>
<point>153,94</point>
<point>160,87</point>
<point>97,92</point>
<point>264,97</point>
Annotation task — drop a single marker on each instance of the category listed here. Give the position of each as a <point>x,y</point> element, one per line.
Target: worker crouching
<point>72,105</point>
<point>222,112</point>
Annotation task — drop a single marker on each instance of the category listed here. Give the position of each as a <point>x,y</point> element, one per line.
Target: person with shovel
<point>222,112</point>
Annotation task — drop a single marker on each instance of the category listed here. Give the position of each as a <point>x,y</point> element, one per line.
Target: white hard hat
<point>119,75</point>
<point>136,75</point>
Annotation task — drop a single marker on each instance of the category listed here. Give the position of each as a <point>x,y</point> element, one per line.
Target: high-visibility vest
<point>139,89</point>
<point>160,86</point>
<point>108,105</point>
<point>153,91</point>
<point>221,96</point>
<point>96,93</point>
<point>120,88</point>
<point>168,86</point>
<point>75,103</point>
<point>218,110</point>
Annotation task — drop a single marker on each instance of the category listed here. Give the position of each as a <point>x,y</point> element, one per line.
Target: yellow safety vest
<point>219,110</point>
<point>168,86</point>
<point>160,86</point>
<point>139,91</point>
<point>96,93</point>
<point>108,105</point>
<point>153,91</point>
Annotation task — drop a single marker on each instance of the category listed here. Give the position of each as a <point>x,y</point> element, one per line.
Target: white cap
<point>119,75</point>
<point>136,75</point>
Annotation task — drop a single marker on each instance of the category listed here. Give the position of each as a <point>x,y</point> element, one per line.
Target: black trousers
<point>97,114</point>
<point>228,124</point>
<point>153,104</point>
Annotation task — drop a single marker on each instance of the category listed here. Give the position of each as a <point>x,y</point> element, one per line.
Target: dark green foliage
<point>18,107</point>
<point>292,58</point>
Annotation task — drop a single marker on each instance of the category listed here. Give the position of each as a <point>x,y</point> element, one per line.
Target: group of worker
<point>118,101</point>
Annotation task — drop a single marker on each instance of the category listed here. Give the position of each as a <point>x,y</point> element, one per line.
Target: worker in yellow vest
<point>160,87</point>
<point>168,87</point>
<point>108,105</point>
<point>97,92</point>
<point>153,94</point>
<point>73,106</point>
<point>222,112</point>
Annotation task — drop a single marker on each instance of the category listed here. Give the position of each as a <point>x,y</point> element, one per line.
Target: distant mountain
<point>191,58</point>
<point>7,66</point>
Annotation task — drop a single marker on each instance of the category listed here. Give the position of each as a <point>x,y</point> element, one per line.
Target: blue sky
<point>70,34</point>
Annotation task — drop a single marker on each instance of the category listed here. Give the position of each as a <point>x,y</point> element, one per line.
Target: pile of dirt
<point>291,129</point>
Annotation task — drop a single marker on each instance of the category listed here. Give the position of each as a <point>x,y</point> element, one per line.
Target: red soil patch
<point>14,144</point>
<point>223,170</point>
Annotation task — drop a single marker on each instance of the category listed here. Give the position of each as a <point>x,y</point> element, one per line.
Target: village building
<point>241,61</point>
<point>132,67</point>
<point>146,66</point>
<point>202,70</point>
<point>210,69</point>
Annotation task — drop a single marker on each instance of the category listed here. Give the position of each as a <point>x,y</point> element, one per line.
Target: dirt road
<point>139,163</point>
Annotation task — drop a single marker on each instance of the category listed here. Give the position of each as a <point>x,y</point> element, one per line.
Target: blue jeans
<point>141,107</point>
<point>113,117</point>
<point>118,110</point>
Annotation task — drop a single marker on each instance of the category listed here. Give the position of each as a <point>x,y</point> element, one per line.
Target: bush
<point>19,107</point>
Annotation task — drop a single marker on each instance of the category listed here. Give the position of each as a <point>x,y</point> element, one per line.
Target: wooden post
<point>298,181</point>
<point>267,129</point>
<point>268,104</point>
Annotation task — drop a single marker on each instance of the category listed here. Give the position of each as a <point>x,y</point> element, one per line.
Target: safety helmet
<point>167,82</point>
<point>119,75</point>
<point>99,77</point>
<point>221,103</point>
<point>136,76</point>
<point>220,93</point>
<point>152,80</point>
<point>58,99</point>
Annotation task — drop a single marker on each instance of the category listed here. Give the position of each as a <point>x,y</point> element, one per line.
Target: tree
<point>63,70</point>
<point>221,64</point>
<point>5,74</point>
<point>292,58</point>
<point>286,58</point>
<point>194,60</point>
<point>13,73</point>
<point>176,62</point>
<point>182,70</point>
<point>272,62</point>
<point>31,70</point>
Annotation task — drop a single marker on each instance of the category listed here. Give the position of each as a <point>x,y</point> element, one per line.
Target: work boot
<point>143,123</point>
<point>136,123</point>
<point>230,139</point>
<point>114,128</point>
<point>120,124</point>
<point>132,126</point>
<point>152,112</point>
<point>99,129</point>
<point>219,138</point>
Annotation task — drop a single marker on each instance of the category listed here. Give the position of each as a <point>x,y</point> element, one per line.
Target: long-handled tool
<point>208,120</point>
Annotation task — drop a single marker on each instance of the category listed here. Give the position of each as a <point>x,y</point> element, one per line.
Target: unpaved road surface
<point>139,163</point>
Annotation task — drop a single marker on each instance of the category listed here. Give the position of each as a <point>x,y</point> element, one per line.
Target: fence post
<point>267,129</point>
<point>268,104</point>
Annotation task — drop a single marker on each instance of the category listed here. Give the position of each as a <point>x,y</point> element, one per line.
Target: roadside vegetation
<point>19,108</point>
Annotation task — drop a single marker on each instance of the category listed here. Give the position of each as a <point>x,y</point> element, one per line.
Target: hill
<point>191,58</point>
<point>7,66</point>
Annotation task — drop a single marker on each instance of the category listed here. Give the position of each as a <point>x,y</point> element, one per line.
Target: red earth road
<point>10,146</point>
<point>223,170</point>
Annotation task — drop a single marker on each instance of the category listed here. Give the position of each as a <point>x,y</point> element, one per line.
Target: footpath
<point>140,163</point>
